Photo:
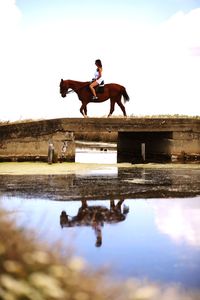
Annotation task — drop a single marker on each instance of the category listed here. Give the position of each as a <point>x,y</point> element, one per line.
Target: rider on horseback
<point>97,78</point>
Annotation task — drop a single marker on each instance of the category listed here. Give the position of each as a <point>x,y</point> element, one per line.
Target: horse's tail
<point>125,95</point>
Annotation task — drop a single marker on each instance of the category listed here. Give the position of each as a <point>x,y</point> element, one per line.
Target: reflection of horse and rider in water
<point>95,216</point>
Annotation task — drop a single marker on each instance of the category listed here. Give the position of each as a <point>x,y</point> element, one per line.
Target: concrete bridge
<point>139,139</point>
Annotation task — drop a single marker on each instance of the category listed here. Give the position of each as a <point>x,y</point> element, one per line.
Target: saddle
<point>100,88</point>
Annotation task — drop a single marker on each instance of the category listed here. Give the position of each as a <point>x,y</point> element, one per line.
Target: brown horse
<point>95,216</point>
<point>112,91</point>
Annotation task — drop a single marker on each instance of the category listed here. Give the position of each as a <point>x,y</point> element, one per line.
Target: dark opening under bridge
<point>139,139</point>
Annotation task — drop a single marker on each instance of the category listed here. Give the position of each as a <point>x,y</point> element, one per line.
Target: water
<point>155,237</point>
<point>158,240</point>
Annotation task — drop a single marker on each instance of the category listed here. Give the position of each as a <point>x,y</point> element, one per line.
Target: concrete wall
<point>139,139</point>
<point>185,145</point>
<point>24,142</point>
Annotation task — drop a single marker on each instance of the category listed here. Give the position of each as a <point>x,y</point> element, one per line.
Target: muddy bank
<point>91,181</point>
<point>40,168</point>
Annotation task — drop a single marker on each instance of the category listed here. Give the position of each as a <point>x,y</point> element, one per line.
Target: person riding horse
<point>95,216</point>
<point>112,91</point>
<point>97,78</point>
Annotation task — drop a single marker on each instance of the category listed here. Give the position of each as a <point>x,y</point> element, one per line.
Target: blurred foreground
<point>30,270</point>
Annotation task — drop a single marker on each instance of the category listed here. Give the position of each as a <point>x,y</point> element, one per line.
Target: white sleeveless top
<point>96,75</point>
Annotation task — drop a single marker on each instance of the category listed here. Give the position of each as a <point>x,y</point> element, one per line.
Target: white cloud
<point>169,72</point>
<point>153,63</point>
<point>9,15</point>
<point>180,221</point>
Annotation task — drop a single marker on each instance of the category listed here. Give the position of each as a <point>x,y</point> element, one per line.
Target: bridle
<point>67,91</point>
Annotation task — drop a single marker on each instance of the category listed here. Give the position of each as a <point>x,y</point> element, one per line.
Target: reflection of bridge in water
<point>139,139</point>
<point>125,183</point>
<point>95,216</point>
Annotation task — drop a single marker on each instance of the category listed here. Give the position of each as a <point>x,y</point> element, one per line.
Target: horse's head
<point>63,88</point>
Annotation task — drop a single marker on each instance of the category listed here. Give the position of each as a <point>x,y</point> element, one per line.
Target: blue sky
<point>143,10</point>
<point>151,47</point>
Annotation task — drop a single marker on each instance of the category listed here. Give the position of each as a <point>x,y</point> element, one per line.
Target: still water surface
<point>158,240</point>
<point>152,234</point>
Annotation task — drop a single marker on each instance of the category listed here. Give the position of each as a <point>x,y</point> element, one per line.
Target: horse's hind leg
<point>119,204</point>
<point>122,107</point>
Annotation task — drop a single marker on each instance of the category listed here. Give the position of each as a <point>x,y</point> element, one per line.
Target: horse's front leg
<point>83,110</point>
<point>112,106</point>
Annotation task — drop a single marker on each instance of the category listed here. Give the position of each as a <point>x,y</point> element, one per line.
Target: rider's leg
<point>92,85</point>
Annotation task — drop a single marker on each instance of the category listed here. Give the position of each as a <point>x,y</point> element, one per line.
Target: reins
<point>71,91</point>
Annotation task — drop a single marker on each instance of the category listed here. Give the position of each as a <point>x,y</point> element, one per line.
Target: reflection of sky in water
<point>108,172</point>
<point>96,156</point>
<point>181,222</point>
<point>158,240</point>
